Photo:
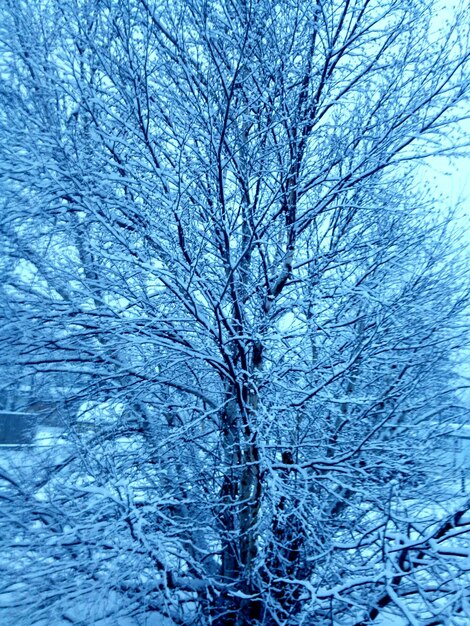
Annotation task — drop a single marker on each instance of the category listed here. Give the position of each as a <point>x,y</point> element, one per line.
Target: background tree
<point>217,249</point>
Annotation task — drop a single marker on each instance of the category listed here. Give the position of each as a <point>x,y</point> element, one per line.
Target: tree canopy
<point>218,255</point>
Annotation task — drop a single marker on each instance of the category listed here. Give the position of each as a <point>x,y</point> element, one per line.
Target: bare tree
<point>217,248</point>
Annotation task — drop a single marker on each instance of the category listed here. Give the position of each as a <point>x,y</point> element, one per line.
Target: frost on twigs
<point>219,267</point>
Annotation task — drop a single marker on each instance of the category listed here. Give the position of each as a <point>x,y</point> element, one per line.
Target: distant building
<point>22,412</point>
<point>460,436</point>
<point>17,428</point>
